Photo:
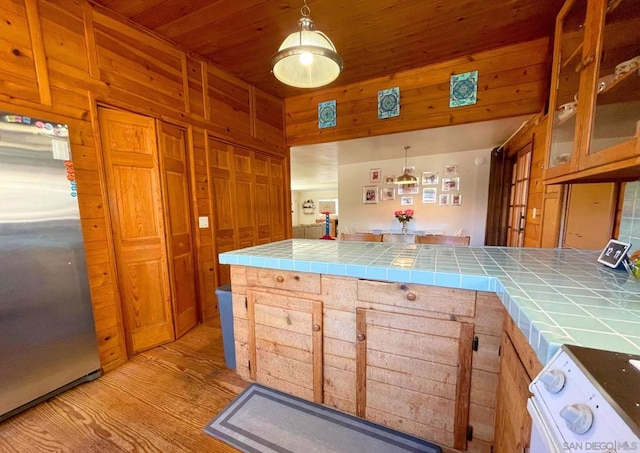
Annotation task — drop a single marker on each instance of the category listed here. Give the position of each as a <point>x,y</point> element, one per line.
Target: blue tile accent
<point>337,269</point>
<point>319,268</point>
<point>422,277</point>
<point>449,280</point>
<point>376,273</point>
<point>302,266</point>
<point>356,270</point>
<point>475,282</point>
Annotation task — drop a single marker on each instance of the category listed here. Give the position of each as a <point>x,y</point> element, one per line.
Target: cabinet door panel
<point>513,423</point>
<point>413,374</point>
<point>285,343</point>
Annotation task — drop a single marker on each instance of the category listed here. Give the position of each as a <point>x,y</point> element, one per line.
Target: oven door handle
<point>551,443</point>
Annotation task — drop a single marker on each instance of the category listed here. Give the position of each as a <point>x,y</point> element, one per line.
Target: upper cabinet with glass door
<point>595,97</point>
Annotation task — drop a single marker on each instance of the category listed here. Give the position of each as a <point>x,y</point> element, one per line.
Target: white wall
<point>470,216</point>
<point>299,196</point>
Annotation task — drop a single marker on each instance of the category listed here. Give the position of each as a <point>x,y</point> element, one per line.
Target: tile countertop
<point>555,296</point>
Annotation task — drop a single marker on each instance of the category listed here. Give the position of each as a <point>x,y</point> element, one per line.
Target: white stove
<point>586,400</point>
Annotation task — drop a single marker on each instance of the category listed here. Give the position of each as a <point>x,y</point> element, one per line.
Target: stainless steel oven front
<point>586,400</point>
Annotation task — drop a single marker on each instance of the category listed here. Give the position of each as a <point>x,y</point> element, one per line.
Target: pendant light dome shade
<point>406,178</point>
<point>306,58</point>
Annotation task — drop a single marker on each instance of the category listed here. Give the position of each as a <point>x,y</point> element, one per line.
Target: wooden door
<point>285,343</point>
<point>413,374</point>
<point>263,198</point>
<point>518,196</point>
<point>135,198</point>
<point>244,208</point>
<point>590,216</point>
<point>279,208</point>
<point>513,423</point>
<point>222,204</point>
<point>174,165</point>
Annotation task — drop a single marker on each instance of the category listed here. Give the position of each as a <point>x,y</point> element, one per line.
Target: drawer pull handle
<point>316,328</point>
<point>360,337</point>
<point>279,278</point>
<point>411,296</point>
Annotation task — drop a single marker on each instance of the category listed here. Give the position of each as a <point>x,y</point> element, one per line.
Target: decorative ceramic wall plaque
<point>463,89</point>
<point>327,113</point>
<point>388,103</point>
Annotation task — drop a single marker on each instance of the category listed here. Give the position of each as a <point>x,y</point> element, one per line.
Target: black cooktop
<point>618,380</point>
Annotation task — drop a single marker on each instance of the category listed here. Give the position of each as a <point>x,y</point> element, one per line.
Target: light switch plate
<point>203,221</point>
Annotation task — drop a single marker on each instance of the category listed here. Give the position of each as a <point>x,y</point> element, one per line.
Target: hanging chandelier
<point>307,58</point>
<point>406,178</point>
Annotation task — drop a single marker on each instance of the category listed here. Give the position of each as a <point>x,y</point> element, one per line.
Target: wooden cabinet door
<point>285,343</point>
<point>588,202</point>
<point>135,198</point>
<point>263,198</point>
<point>413,374</point>
<point>513,423</point>
<point>173,153</point>
<point>244,208</point>
<point>278,202</point>
<point>222,207</point>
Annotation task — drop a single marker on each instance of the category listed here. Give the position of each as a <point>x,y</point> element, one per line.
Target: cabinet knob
<point>411,296</point>
<point>316,328</point>
<point>360,337</point>
<point>279,278</point>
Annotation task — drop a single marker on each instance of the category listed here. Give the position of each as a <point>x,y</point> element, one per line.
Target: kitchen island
<point>555,296</point>
<point>386,331</point>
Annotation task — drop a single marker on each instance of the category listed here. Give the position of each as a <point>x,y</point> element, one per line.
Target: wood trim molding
<point>361,362</point>
<point>39,56</point>
<point>526,354</point>
<point>463,386</point>
<point>318,353</point>
<point>90,39</point>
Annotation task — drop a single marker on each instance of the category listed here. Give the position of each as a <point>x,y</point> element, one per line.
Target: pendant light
<point>307,58</point>
<point>406,178</point>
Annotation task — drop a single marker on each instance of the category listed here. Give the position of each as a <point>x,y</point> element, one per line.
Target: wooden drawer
<point>421,297</point>
<point>286,280</point>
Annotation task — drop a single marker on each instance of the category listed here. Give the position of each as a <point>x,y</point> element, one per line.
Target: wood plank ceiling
<point>374,37</point>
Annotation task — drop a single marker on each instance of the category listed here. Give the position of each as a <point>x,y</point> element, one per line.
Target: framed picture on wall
<point>409,170</point>
<point>444,199</point>
<point>375,175</point>
<point>456,199</point>
<point>429,178</point>
<point>408,189</point>
<point>370,194</point>
<point>450,184</point>
<point>387,193</point>
<point>406,201</point>
<point>429,195</point>
<point>450,170</point>
<point>390,179</point>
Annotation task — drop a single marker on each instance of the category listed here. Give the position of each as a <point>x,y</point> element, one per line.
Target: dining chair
<point>362,237</point>
<point>443,240</point>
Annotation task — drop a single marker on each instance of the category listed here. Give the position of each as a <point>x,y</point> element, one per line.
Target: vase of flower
<point>404,217</point>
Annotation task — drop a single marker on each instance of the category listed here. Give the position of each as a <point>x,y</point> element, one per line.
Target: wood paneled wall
<point>512,81</point>
<point>62,58</point>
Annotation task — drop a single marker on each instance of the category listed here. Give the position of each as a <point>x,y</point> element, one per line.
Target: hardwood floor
<point>159,401</point>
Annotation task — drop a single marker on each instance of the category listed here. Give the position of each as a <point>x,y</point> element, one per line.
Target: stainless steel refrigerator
<point>47,334</point>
